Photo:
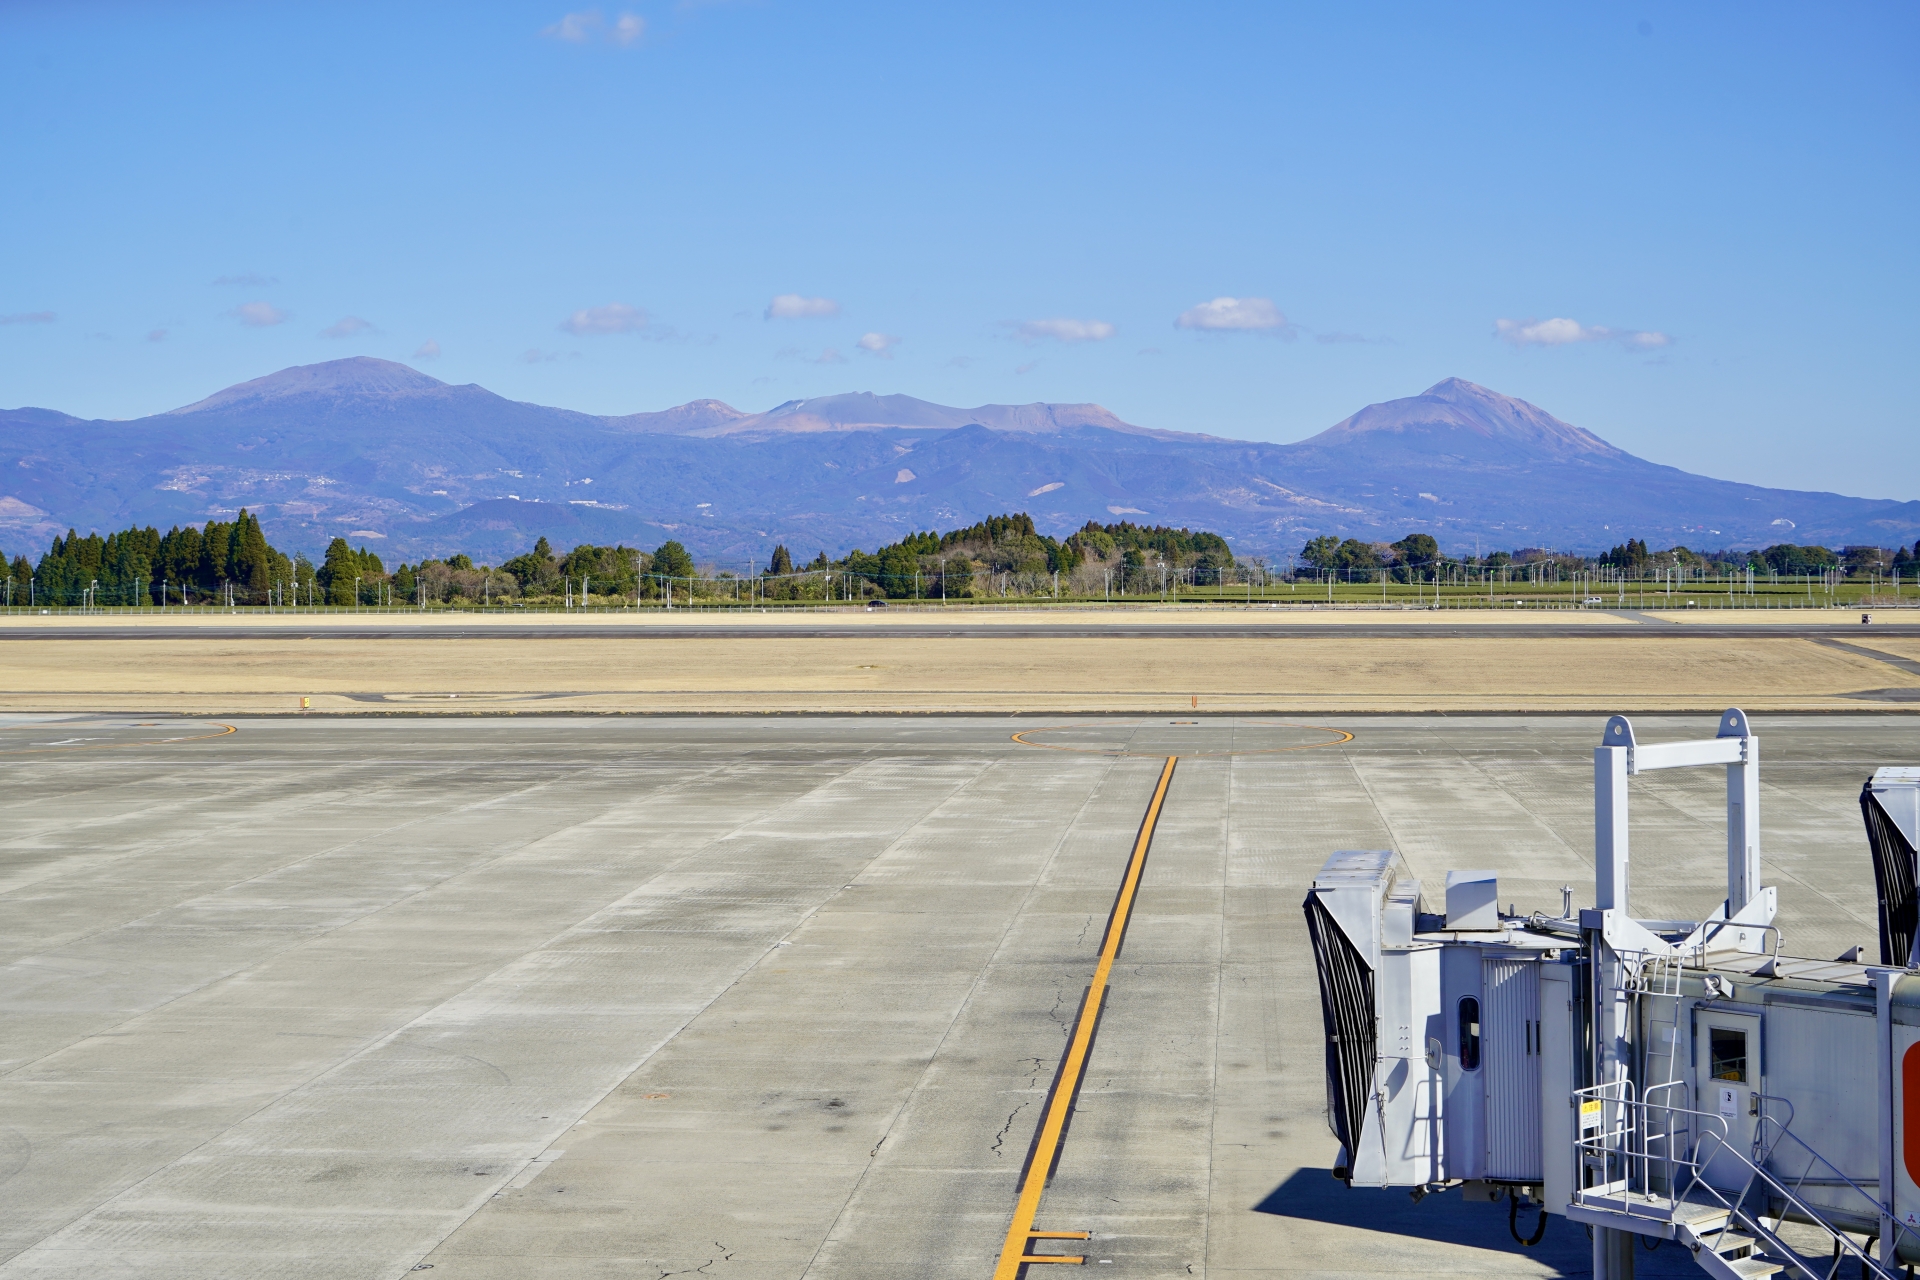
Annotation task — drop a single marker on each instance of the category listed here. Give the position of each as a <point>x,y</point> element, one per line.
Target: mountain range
<point>410,466</point>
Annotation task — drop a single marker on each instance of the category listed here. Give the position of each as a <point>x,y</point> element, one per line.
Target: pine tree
<point>337,573</point>
<point>249,561</point>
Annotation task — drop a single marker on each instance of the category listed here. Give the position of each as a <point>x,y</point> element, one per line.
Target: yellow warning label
<point>1590,1108</point>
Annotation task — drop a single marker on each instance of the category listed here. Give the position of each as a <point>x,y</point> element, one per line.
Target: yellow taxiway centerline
<point>1014,1253</point>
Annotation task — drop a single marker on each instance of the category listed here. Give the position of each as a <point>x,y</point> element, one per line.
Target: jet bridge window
<point>1469,1033</point>
<point>1727,1054</point>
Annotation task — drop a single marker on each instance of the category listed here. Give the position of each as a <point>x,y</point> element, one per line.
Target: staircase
<point>1726,1244</point>
<point>1733,1235</point>
<point>1724,1250</point>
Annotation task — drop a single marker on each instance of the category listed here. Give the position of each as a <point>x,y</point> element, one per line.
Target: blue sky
<point>1695,221</point>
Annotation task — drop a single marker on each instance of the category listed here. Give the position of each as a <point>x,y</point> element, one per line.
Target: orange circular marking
<point>1340,736</point>
<point>224,730</point>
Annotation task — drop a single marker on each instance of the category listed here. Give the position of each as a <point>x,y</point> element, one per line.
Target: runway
<point>568,997</point>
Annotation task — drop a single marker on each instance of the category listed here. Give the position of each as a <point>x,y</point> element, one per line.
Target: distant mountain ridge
<point>386,455</point>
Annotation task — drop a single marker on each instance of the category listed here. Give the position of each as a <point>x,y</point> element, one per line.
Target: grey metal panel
<point>1466,1091</point>
<point>1353,887</point>
<point>1557,1084</point>
<point>1822,1061</point>
<point>1511,1062</point>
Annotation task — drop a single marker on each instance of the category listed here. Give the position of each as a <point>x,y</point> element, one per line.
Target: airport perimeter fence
<point>1186,603</point>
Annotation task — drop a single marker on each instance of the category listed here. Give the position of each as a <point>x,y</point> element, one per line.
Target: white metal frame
<point>1620,757</point>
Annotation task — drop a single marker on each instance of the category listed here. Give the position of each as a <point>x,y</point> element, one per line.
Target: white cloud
<point>1046,488</point>
<point>576,28</point>
<point>429,350</point>
<point>345,327</point>
<point>1065,330</point>
<point>588,25</point>
<point>830,356</point>
<point>880,344</point>
<point>614,317</point>
<point>1560,331</point>
<point>260,315</point>
<point>28,317</point>
<point>1225,313</point>
<point>792,306</point>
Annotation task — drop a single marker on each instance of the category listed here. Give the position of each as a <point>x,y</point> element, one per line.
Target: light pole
<point>356,594</point>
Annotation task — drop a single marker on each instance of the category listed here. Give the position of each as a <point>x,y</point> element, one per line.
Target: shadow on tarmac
<point>1312,1195</point>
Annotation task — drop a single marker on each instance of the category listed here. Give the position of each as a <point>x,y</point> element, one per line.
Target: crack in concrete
<point>726,1255</point>
<point>1001,1137</point>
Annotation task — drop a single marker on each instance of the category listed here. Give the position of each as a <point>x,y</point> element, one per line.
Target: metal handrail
<point>1720,926</point>
<point>1713,1140</point>
<point>1839,1177</point>
<point>1755,1220</point>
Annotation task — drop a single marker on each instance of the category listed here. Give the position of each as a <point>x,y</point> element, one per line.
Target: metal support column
<point>1743,813</point>
<point>1612,1254</point>
<point>1612,763</point>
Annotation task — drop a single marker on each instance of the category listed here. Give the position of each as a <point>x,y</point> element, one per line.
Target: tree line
<point>1417,557</point>
<point>232,562</point>
<point>138,566</point>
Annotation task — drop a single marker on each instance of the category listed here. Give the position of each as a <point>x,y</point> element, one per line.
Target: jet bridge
<point>1672,1079</point>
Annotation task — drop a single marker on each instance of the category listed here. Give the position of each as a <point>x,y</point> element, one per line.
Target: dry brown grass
<point>589,672</point>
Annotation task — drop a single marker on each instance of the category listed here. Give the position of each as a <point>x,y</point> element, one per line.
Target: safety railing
<point>1771,1134</point>
<point>1661,1154</point>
